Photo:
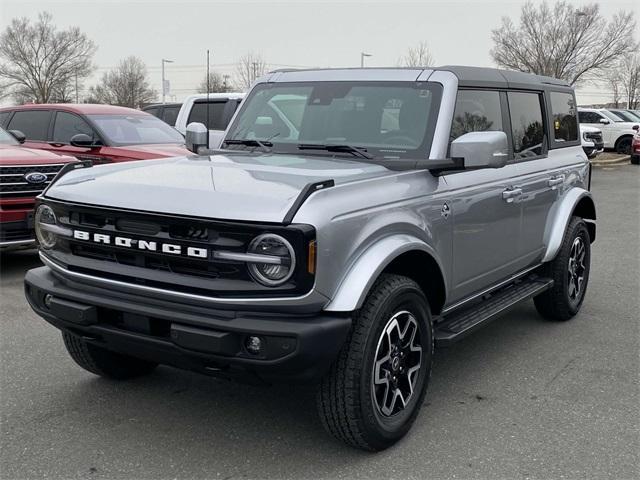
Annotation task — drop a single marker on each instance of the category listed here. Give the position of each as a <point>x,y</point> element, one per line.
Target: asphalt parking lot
<point>522,398</point>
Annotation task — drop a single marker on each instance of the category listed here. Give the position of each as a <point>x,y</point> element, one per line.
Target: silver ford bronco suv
<point>352,220</point>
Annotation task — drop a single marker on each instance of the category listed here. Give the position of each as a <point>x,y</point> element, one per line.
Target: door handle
<point>510,194</point>
<point>555,181</point>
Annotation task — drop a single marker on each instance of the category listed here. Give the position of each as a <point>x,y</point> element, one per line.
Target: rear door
<point>540,176</point>
<point>34,124</point>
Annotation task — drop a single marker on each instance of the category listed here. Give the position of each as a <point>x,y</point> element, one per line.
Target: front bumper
<point>212,341</point>
<point>17,234</point>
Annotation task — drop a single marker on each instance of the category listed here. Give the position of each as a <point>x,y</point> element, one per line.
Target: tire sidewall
<point>579,230</point>
<point>387,430</point>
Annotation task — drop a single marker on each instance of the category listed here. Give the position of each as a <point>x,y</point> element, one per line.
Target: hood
<point>258,188</point>
<point>18,155</point>
<point>585,129</point>
<point>157,150</point>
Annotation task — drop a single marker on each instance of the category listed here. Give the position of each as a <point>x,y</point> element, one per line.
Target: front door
<point>65,126</point>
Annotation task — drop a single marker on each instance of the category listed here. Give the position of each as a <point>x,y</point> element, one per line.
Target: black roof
<point>494,77</point>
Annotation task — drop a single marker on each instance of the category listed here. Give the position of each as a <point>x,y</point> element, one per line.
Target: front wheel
<point>374,390</point>
<point>570,274</point>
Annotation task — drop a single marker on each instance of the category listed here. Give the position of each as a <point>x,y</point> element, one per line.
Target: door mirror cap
<point>635,127</point>
<point>197,137</point>
<point>481,149</point>
<point>82,140</point>
<point>604,121</point>
<point>18,135</point>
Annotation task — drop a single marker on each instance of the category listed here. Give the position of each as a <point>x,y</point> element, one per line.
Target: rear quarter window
<point>216,115</point>
<point>565,120</point>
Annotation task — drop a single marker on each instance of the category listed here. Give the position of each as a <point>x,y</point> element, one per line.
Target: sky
<point>300,33</point>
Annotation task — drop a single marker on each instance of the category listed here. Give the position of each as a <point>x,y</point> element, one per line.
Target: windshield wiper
<point>357,151</point>
<point>263,144</point>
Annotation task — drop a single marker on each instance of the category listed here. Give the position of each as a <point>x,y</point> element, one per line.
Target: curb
<point>614,161</point>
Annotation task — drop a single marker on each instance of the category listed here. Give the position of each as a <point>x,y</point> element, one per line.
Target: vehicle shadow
<point>15,263</point>
<point>186,415</point>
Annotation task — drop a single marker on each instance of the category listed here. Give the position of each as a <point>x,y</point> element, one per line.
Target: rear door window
<point>170,114</point>
<point>4,116</point>
<point>216,115</point>
<point>33,123</point>
<point>565,119</point>
<point>67,125</point>
<point>527,126</point>
<point>155,111</point>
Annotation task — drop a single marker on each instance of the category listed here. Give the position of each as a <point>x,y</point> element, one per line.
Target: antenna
<point>208,90</point>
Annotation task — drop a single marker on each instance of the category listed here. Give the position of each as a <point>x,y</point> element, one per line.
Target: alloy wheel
<point>576,269</point>
<point>397,364</point>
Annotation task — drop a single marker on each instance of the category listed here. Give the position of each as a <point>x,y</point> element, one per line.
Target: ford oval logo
<point>35,177</point>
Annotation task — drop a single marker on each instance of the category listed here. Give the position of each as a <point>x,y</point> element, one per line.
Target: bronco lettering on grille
<point>151,246</point>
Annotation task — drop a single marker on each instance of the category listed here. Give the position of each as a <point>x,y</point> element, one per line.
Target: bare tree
<point>41,63</point>
<point>613,82</point>
<point>562,41</point>
<point>250,66</point>
<point>630,76</point>
<point>126,85</point>
<point>217,83</point>
<point>418,56</point>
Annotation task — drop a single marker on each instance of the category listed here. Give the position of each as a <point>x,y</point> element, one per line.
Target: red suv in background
<point>100,133</point>
<point>635,149</point>
<point>24,173</point>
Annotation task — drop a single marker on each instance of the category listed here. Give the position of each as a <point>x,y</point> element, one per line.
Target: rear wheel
<point>374,391</point>
<point>623,145</point>
<point>570,274</point>
<point>105,363</point>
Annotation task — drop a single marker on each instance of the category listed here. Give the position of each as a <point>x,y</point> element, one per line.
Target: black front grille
<point>595,137</point>
<point>133,264</point>
<point>14,184</point>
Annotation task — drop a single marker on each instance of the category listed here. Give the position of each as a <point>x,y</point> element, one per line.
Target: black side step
<point>460,323</point>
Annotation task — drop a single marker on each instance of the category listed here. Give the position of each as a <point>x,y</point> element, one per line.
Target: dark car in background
<point>99,133</point>
<point>635,149</point>
<point>626,115</point>
<point>167,112</point>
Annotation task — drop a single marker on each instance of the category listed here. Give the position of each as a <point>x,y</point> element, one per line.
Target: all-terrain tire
<point>346,396</point>
<point>557,302</point>
<point>105,363</point>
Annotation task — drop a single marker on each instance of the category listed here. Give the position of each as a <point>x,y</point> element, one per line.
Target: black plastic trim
<point>302,197</point>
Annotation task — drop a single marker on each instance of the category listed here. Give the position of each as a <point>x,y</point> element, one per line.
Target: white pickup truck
<point>222,106</point>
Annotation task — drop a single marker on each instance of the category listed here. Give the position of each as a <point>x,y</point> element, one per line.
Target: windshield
<point>613,116</point>
<point>6,138</point>
<point>627,116</point>
<point>386,119</point>
<point>121,130</point>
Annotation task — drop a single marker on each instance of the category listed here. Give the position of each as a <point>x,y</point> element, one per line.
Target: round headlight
<point>45,216</point>
<point>281,263</point>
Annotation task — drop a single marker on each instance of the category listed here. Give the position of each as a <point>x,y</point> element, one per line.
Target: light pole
<point>362,55</point>
<point>164,90</point>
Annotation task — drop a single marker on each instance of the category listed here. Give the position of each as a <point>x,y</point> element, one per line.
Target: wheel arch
<point>622,137</point>
<point>399,254</point>
<point>577,202</point>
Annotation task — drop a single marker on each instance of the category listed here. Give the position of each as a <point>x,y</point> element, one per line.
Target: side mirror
<point>82,140</point>
<point>197,137</point>
<point>635,127</point>
<point>604,121</point>
<point>18,135</point>
<point>481,149</point>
